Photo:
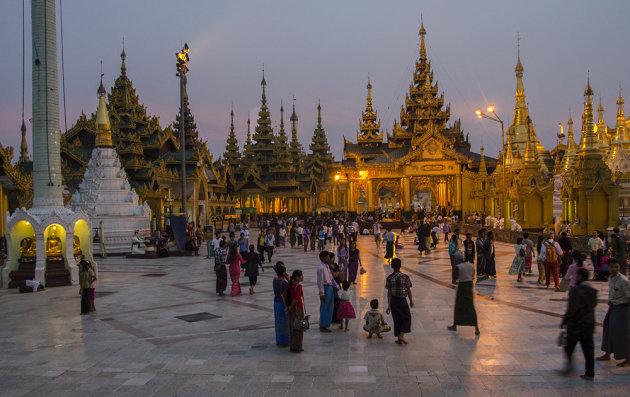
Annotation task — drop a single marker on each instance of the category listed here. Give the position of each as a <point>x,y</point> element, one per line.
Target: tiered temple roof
<point>423,110</point>
<point>274,167</point>
<point>369,134</point>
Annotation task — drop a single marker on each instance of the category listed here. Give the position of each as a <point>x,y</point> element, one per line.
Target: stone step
<point>56,273</point>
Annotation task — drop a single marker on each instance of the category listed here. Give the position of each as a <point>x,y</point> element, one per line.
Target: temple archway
<point>533,214</point>
<point>599,207</point>
<point>424,197</point>
<point>388,199</point>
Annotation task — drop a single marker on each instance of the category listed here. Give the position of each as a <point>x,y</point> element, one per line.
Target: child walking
<point>345,311</point>
<point>374,321</point>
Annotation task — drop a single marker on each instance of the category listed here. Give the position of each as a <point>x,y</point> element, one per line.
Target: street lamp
<point>492,115</point>
<point>182,60</point>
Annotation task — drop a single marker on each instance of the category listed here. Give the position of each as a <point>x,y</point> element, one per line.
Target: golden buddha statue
<point>53,245</point>
<point>27,247</point>
<point>76,246</point>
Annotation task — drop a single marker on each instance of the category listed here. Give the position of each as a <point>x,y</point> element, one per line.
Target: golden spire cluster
<point>369,128</point>
<point>103,126</point>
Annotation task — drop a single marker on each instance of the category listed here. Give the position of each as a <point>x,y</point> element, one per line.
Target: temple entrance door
<point>362,204</point>
<point>388,202</point>
<point>423,198</point>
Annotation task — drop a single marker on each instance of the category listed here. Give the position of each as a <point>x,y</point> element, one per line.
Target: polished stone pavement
<point>161,330</point>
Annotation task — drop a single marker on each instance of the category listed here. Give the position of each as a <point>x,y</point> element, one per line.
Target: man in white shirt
<point>216,243</point>
<point>377,234</point>
<point>326,285</point>
<point>615,338</point>
<point>551,260</point>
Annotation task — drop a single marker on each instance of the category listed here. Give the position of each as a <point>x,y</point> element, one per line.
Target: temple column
<point>351,204</point>
<point>40,257</point>
<point>406,194</point>
<point>370,198</point>
<point>458,189</point>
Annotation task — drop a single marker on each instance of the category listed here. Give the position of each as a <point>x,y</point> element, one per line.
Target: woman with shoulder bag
<point>295,310</point>
<point>518,264</point>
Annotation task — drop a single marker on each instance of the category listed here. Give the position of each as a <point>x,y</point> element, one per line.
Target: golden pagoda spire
<point>281,118</point>
<point>531,159</point>
<point>509,156</point>
<point>621,138</point>
<point>369,129</point>
<point>589,139</point>
<point>368,108</point>
<point>103,127</point>
<point>423,47</point>
<point>294,133</point>
<point>602,136</point>
<point>319,114</point>
<point>569,155</point>
<point>123,67</point>
<point>520,107</point>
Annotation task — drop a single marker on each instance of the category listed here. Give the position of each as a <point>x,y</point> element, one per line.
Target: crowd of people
<point>335,239</point>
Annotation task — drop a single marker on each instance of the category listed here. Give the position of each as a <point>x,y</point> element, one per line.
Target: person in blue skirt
<point>280,282</point>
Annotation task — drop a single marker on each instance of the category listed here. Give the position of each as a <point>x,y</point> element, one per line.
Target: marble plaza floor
<point>161,330</point>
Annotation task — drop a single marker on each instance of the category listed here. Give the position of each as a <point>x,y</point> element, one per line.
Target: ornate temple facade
<point>150,156</point>
<point>425,162</point>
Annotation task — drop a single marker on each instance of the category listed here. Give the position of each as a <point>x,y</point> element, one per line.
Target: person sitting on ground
<point>374,321</point>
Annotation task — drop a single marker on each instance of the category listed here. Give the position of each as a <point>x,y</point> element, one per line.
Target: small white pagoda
<point>105,194</point>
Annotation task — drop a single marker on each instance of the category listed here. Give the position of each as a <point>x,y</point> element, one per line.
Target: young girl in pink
<point>345,311</point>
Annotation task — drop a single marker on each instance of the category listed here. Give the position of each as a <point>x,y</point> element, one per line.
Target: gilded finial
<point>263,82</point>
<point>103,127</point>
<point>101,88</point>
<point>281,116</point>
<point>519,66</point>
<point>294,117</point>
<point>423,48</point>
<point>232,118</point>
<point>319,114</point>
<point>123,67</point>
<point>588,91</point>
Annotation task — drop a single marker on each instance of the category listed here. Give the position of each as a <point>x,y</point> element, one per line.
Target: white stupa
<point>105,194</point>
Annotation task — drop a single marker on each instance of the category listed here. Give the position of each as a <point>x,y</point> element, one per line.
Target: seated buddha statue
<point>27,247</point>
<point>76,246</point>
<point>53,245</point>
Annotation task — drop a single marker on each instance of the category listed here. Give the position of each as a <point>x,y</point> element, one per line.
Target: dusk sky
<point>324,50</point>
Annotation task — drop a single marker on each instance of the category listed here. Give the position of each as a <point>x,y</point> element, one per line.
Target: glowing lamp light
<point>54,227</point>
<point>361,173</point>
<point>336,177</point>
<point>478,113</point>
<point>491,109</point>
<point>27,222</point>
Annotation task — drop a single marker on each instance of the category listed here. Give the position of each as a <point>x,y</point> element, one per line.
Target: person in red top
<point>295,298</point>
<point>235,260</point>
